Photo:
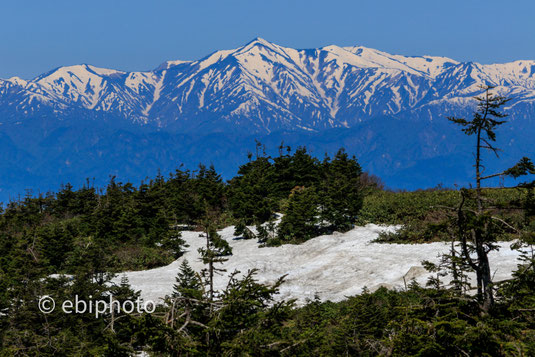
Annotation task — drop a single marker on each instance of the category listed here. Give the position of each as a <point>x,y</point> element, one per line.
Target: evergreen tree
<point>122,326</point>
<point>251,192</point>
<point>241,230</point>
<point>299,169</point>
<point>477,229</point>
<point>266,232</point>
<point>188,284</point>
<point>181,198</point>
<point>300,220</point>
<point>341,191</point>
<point>520,291</point>
<point>57,241</point>
<point>210,190</point>
<point>214,252</point>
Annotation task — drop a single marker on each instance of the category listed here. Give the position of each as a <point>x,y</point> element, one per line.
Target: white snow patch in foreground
<point>332,267</point>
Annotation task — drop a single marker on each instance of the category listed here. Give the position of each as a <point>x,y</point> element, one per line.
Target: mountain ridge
<point>283,88</point>
<point>390,110</point>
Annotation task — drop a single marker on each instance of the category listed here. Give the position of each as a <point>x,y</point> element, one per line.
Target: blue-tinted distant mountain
<point>82,121</point>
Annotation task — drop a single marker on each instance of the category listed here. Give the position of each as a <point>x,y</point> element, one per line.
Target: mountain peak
<point>169,64</point>
<point>17,81</point>
<point>259,42</point>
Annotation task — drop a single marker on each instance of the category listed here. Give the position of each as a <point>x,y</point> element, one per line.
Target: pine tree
<point>520,291</point>
<point>188,283</point>
<point>300,220</point>
<point>477,229</point>
<point>181,197</point>
<point>341,191</point>
<point>266,232</point>
<point>299,169</point>
<point>57,241</point>
<point>209,189</point>
<point>251,192</point>
<point>120,324</point>
<point>241,230</point>
<point>214,252</point>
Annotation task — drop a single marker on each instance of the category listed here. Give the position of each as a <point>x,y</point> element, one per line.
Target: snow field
<point>331,267</point>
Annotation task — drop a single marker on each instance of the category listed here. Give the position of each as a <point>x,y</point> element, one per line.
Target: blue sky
<point>36,36</point>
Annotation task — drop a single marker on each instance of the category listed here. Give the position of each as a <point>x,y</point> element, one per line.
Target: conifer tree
<point>267,231</point>
<point>520,291</point>
<point>214,252</point>
<point>341,191</point>
<point>121,325</point>
<point>478,229</point>
<point>209,188</point>
<point>187,307</point>
<point>241,230</point>
<point>188,284</point>
<point>251,191</point>
<point>299,169</point>
<point>300,220</point>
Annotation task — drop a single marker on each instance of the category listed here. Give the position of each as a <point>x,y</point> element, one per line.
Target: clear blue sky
<point>38,35</point>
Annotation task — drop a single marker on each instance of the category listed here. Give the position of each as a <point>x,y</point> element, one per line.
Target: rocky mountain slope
<point>74,122</point>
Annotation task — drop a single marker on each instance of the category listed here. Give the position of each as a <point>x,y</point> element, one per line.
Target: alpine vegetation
<point>303,213</point>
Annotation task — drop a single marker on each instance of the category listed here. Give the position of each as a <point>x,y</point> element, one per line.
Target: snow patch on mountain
<point>263,87</point>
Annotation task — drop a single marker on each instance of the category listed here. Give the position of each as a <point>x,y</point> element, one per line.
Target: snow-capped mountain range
<point>265,87</point>
<point>390,110</point>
